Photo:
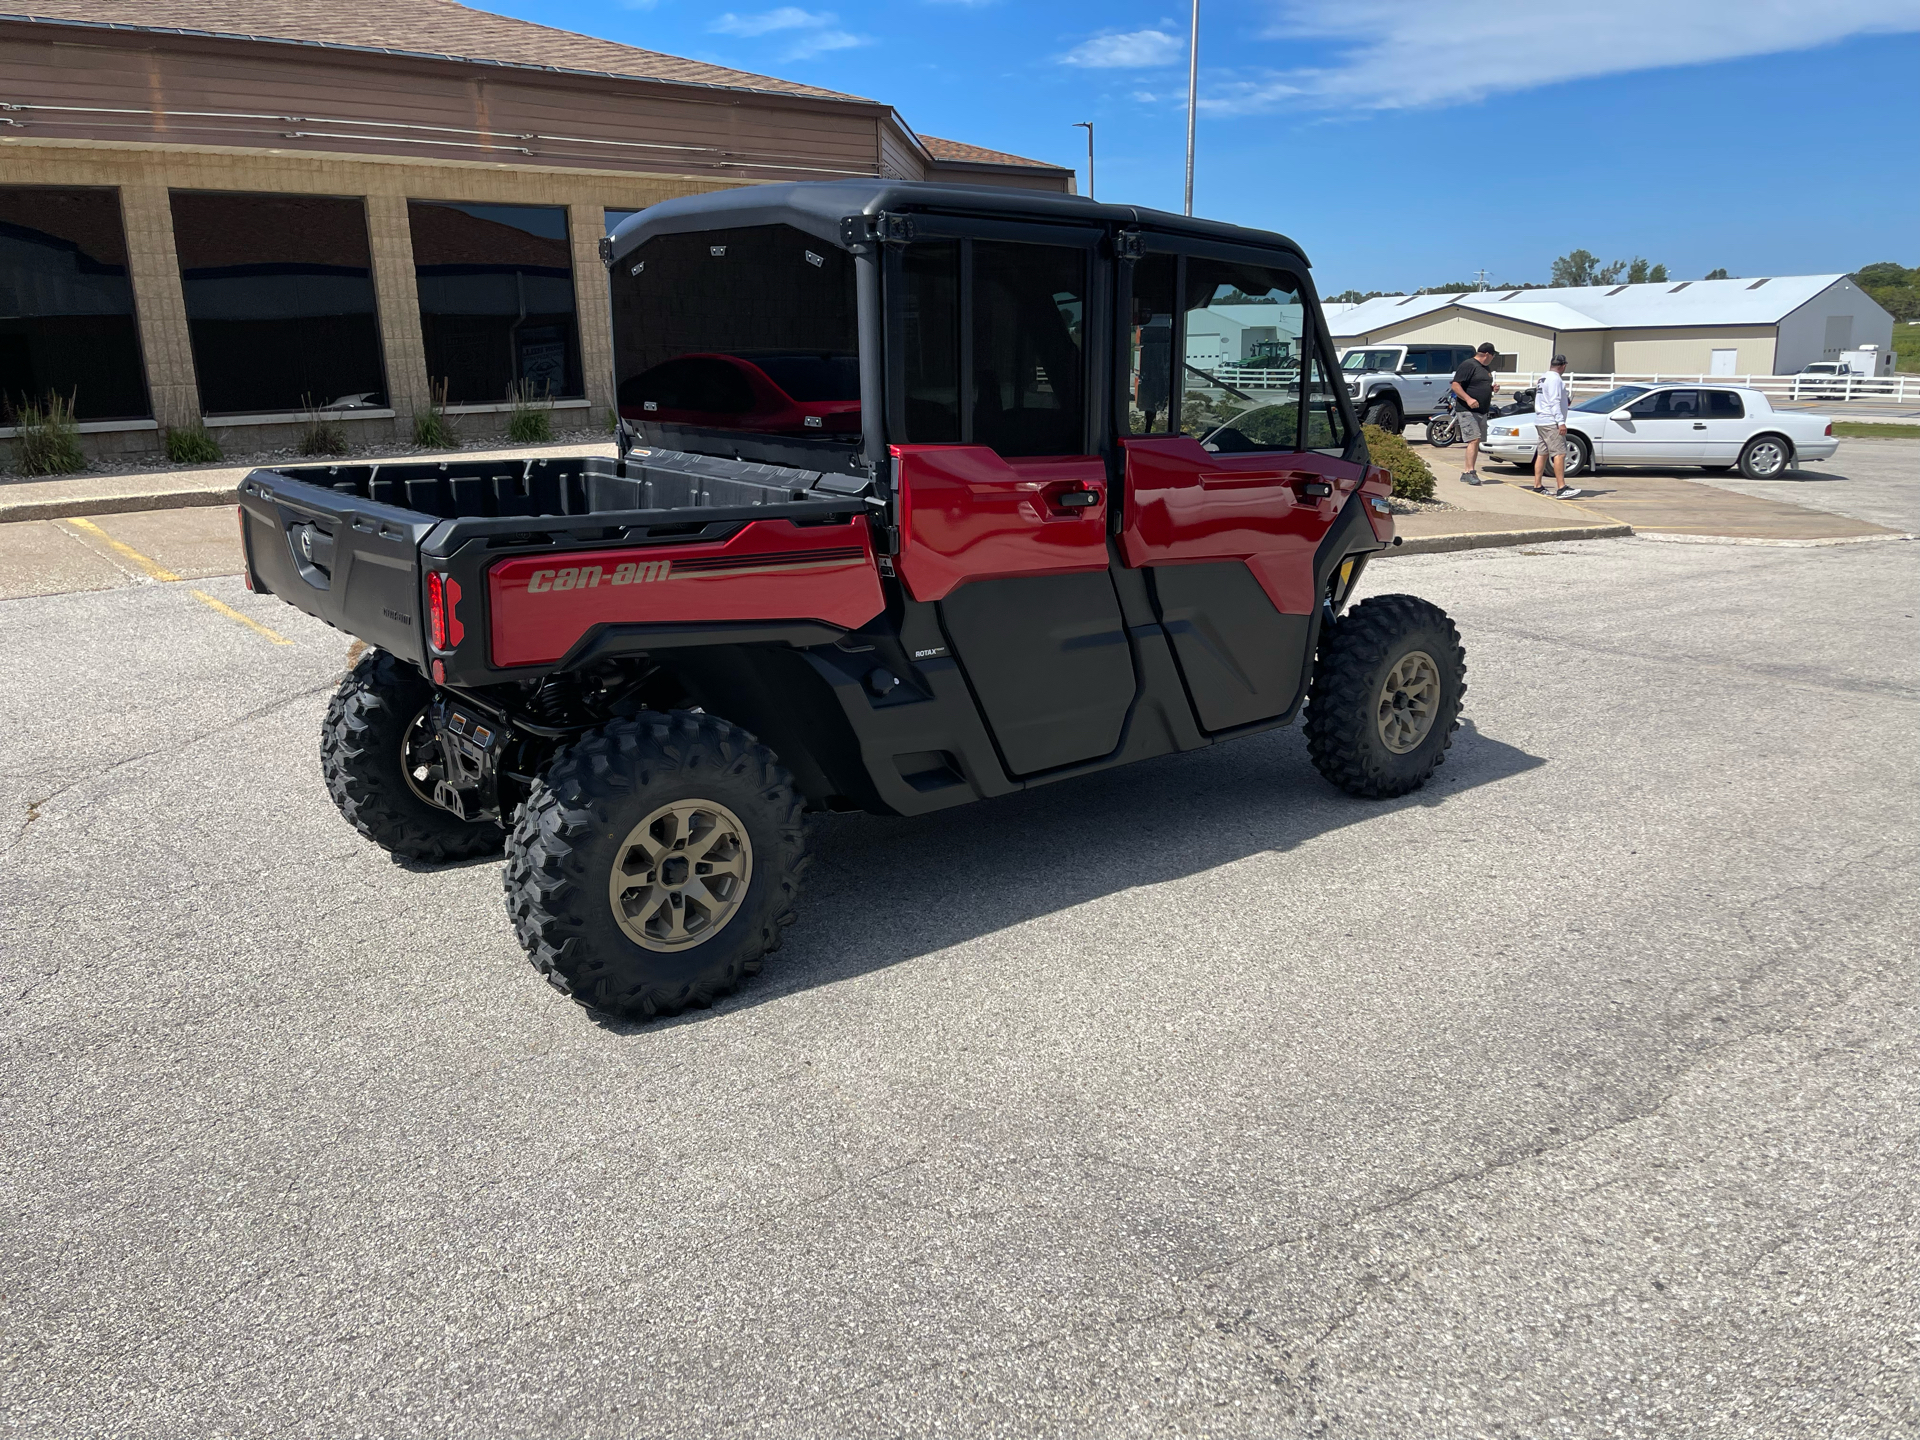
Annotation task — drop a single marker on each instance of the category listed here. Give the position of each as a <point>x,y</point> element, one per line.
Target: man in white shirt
<point>1550,432</point>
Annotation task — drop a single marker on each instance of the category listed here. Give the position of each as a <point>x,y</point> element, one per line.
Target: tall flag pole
<point>1193,96</point>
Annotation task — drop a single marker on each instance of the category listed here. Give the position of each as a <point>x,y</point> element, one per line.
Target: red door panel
<point>541,605</point>
<point>966,514</point>
<point>1185,504</point>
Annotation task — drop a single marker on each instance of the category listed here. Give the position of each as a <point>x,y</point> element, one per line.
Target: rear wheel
<point>380,758</point>
<point>1384,411</point>
<point>1387,688</point>
<point>1579,455</point>
<point>656,863</point>
<point>1765,458</point>
<point>1441,431</point>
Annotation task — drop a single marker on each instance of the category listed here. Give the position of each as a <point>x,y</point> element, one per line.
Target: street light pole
<point>1087,125</point>
<point>1193,95</point>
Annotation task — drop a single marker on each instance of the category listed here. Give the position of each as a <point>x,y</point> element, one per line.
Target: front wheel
<point>1385,412</point>
<point>656,863</point>
<point>1441,432</point>
<point>1765,458</point>
<point>1386,695</point>
<point>1579,454</point>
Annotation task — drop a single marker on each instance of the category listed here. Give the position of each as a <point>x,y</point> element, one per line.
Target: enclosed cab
<point>923,496</point>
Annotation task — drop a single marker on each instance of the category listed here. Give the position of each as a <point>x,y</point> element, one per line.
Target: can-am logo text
<point>588,577</point>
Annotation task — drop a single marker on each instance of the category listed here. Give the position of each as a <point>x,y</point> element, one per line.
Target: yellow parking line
<point>153,568</point>
<point>233,614</point>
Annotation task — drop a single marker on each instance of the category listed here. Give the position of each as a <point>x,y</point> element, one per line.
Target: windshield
<point>751,329</point>
<point>1613,399</point>
<point>1369,360</point>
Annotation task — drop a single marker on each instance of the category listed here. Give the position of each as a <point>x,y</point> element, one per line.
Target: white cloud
<point>1137,50</point>
<point>812,31</point>
<point>1448,52</point>
<point>787,17</point>
<point>822,41</point>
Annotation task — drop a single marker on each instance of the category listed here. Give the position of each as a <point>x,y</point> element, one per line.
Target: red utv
<point>1030,539</point>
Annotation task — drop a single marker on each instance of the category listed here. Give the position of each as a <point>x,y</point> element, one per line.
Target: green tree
<point>1575,268</point>
<point>1356,297</point>
<point>1720,274</point>
<point>1658,274</point>
<point>1894,288</point>
<point>1640,272</point>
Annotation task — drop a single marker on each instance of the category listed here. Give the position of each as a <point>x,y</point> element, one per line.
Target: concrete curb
<point>1674,537</point>
<point>69,507</point>
<point>1493,539</point>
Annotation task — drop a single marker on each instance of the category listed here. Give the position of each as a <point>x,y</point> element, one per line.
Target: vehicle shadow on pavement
<point>884,891</point>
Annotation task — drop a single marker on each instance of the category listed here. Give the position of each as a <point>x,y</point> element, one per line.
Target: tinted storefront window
<point>280,304</point>
<point>496,300</point>
<point>66,303</point>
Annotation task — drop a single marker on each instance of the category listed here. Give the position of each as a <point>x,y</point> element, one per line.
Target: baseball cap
<point>1559,360</point>
<point>1486,347</point>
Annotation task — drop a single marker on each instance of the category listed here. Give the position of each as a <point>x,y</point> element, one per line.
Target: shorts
<point>1472,425</point>
<point>1548,441</point>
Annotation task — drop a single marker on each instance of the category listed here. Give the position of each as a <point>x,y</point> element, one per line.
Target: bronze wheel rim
<point>1409,699</point>
<point>680,875</point>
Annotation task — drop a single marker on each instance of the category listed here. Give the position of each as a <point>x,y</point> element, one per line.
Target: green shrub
<point>432,427</point>
<point>1412,480</point>
<point>192,445</point>
<point>48,442</point>
<point>530,421</point>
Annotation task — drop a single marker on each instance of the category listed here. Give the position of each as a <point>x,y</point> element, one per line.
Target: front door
<point>1667,427</point>
<point>1727,426</point>
<point>1002,497</point>
<point>1230,490</point>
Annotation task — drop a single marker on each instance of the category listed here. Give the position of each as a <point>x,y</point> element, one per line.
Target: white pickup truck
<point>1392,384</point>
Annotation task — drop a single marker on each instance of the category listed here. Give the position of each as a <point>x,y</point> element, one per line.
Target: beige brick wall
<point>145,173</point>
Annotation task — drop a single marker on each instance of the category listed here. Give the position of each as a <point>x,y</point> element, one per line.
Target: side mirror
<point>1621,414</point>
<point>1409,369</point>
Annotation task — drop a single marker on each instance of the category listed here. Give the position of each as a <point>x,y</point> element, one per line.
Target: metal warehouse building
<point>1769,326</point>
<point>239,210</point>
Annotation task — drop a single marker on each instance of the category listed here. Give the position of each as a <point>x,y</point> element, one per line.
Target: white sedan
<point>1713,427</point>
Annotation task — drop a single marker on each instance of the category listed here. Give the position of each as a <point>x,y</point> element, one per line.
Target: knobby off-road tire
<point>1386,414</point>
<point>364,748</point>
<point>659,797</point>
<point>1386,695</point>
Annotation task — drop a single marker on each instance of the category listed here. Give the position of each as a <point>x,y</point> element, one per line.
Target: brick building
<point>236,211</point>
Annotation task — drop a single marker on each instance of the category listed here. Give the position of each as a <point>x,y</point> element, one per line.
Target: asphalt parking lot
<point>1572,1096</point>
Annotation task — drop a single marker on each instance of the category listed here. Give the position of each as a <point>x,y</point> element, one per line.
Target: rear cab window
<point>743,330</point>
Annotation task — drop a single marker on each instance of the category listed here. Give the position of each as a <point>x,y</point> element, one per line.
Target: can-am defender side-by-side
<point>922,498</point>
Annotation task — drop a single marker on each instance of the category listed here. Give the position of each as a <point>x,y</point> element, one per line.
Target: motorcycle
<point>1443,425</point>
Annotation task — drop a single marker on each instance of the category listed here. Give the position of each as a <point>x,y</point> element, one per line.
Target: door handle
<point>1699,425</point>
<point>1077,499</point>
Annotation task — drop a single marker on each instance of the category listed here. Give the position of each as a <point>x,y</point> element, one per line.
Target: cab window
<point>1725,405</point>
<point>1326,427</point>
<point>1668,405</point>
<point>1242,331</point>
<point>1029,304</point>
<point>1150,347</point>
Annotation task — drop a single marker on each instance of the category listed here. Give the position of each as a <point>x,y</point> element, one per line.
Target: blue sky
<point>1402,144</point>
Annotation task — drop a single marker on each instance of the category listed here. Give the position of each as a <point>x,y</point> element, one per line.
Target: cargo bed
<point>351,544</point>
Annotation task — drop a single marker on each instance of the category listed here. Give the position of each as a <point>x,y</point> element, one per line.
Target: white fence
<point>1892,389</point>
<point>1889,389</point>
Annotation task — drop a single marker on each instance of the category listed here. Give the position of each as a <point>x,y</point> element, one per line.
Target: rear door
<point>1223,505</point>
<point>1727,426</point>
<point>995,330</point>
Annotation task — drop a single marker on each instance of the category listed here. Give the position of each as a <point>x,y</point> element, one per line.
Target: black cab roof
<point>818,207</point>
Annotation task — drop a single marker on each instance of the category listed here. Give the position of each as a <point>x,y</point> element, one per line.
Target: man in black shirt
<point>1473,389</point>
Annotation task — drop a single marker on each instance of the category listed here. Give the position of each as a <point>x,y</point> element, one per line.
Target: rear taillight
<point>1829,427</point>
<point>436,611</point>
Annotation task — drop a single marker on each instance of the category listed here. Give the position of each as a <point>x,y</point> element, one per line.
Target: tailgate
<point>352,562</point>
